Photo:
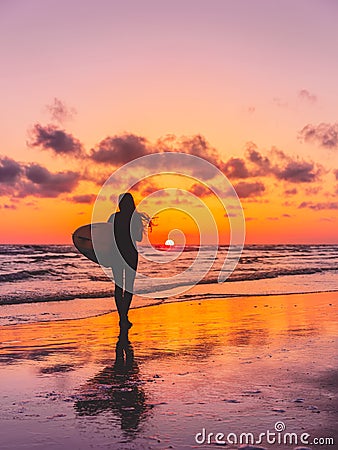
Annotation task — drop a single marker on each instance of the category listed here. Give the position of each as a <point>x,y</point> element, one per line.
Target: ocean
<point>55,282</point>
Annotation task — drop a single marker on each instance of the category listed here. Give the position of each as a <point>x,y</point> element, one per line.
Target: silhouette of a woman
<point>127,229</point>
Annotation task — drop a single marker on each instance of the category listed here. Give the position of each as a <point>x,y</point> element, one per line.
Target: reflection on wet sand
<point>117,388</point>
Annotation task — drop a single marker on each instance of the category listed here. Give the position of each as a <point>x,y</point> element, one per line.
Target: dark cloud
<point>292,191</point>
<point>50,137</point>
<point>324,134</point>
<point>120,150</point>
<point>304,94</point>
<point>297,171</point>
<point>196,146</point>
<point>261,162</point>
<point>282,166</point>
<point>38,174</point>
<point>10,170</point>
<point>246,189</point>
<point>235,168</point>
<point>21,180</point>
<point>199,190</point>
<point>84,198</point>
<point>147,187</point>
<point>279,155</point>
<point>336,173</point>
<point>59,111</point>
<point>319,206</point>
<point>44,183</point>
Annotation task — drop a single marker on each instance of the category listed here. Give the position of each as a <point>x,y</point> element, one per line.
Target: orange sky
<point>85,89</point>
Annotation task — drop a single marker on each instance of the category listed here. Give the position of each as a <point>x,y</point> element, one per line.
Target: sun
<point>169,242</point>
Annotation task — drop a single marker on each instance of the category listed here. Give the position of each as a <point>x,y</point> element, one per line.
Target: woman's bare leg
<point>118,278</point>
<point>130,274</point>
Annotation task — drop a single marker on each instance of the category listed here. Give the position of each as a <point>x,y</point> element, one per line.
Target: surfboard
<point>101,233</point>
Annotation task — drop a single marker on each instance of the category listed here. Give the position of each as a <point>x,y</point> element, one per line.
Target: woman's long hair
<point>128,208</point>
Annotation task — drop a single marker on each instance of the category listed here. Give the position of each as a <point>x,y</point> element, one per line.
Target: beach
<point>217,365</point>
<point>170,168</point>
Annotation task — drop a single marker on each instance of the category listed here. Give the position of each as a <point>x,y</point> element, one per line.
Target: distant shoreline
<point>41,306</point>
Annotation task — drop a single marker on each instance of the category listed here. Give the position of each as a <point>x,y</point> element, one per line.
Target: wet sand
<point>235,365</point>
